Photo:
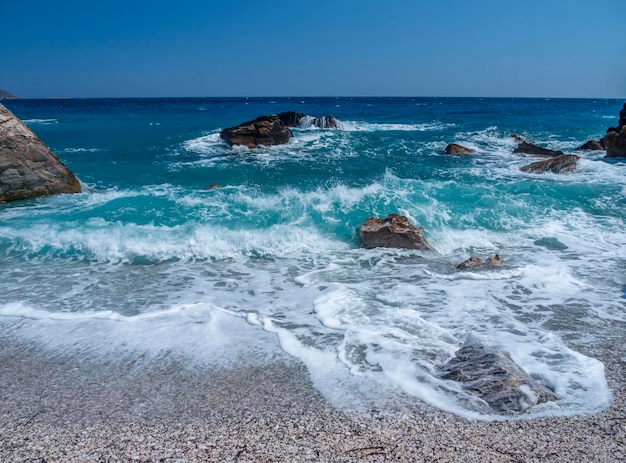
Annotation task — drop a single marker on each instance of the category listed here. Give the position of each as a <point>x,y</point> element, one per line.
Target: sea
<point>148,262</point>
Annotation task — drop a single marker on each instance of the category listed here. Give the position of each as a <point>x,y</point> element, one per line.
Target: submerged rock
<point>454,148</point>
<point>477,262</point>
<point>395,231</point>
<point>264,130</point>
<point>615,138</point>
<point>558,165</point>
<point>495,378</point>
<point>592,145</point>
<point>524,147</point>
<point>28,169</point>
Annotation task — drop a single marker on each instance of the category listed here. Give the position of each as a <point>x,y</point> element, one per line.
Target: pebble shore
<point>56,408</point>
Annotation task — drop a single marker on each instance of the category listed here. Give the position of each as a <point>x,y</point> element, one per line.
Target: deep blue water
<point>274,250</point>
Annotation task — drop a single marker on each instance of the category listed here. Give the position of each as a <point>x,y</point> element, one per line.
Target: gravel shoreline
<point>56,408</point>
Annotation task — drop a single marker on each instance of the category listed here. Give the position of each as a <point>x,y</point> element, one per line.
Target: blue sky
<point>534,48</point>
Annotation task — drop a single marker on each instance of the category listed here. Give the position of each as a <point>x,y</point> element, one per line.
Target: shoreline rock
<point>494,377</point>
<point>563,164</point>
<point>615,138</point>
<point>28,168</point>
<point>395,231</point>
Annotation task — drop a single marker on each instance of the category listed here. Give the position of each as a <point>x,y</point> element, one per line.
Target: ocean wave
<point>41,121</point>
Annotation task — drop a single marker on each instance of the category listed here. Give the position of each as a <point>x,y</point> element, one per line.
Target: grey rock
<point>565,163</point>
<point>491,375</point>
<point>28,168</point>
<point>395,231</point>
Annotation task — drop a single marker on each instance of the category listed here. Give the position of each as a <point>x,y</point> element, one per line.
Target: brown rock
<point>615,138</point>
<point>213,186</point>
<point>454,148</point>
<point>558,165</point>
<point>524,147</point>
<point>477,262</point>
<point>28,168</point>
<point>592,145</point>
<point>264,130</point>
<point>395,231</point>
<point>492,375</point>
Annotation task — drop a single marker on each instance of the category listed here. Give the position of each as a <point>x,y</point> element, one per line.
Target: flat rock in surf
<point>563,164</point>
<point>615,138</point>
<point>273,129</point>
<point>491,375</point>
<point>28,169</point>
<point>475,263</point>
<point>456,149</point>
<point>395,231</point>
<point>523,147</point>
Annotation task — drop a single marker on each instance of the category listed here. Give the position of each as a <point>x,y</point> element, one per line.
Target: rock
<point>558,165</point>
<point>477,262</point>
<point>524,147</point>
<point>495,378</point>
<point>4,95</point>
<point>592,145</point>
<point>454,148</point>
<point>615,138</point>
<point>517,138</point>
<point>264,130</point>
<point>395,231</point>
<point>28,168</point>
<point>293,119</point>
<point>213,186</point>
<point>325,122</point>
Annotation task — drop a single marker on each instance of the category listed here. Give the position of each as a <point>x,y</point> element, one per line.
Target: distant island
<point>4,95</point>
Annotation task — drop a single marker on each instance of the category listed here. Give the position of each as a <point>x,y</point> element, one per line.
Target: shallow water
<point>148,260</point>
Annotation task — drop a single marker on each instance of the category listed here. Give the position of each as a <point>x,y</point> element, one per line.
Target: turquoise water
<point>272,255</point>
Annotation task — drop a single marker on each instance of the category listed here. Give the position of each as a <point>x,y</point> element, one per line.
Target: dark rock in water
<point>395,231</point>
<point>28,168</point>
<point>495,378</point>
<point>517,138</point>
<point>592,145</point>
<point>557,165</point>
<point>552,244</point>
<point>477,262</point>
<point>4,95</point>
<point>291,119</point>
<point>454,148</point>
<point>615,138</point>
<point>524,147</point>
<point>213,186</point>
<point>264,130</point>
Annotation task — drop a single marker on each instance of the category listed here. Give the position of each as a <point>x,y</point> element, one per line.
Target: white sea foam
<point>41,121</point>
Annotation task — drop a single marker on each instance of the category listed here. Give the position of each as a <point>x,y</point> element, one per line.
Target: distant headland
<point>4,95</point>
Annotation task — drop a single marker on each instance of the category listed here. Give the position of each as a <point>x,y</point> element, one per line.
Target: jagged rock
<point>524,147</point>
<point>495,378</point>
<point>615,138</point>
<point>395,231</point>
<point>477,262</point>
<point>517,138</point>
<point>454,148</point>
<point>4,95</point>
<point>28,168</point>
<point>592,145</point>
<point>264,130</point>
<point>291,119</point>
<point>558,165</point>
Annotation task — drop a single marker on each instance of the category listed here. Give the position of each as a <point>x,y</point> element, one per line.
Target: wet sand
<point>56,408</point>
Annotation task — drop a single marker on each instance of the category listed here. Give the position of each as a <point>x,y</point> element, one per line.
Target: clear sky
<point>529,48</point>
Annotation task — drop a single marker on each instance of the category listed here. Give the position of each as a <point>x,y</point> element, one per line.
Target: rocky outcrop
<point>4,95</point>
<point>474,263</point>
<point>523,147</point>
<point>273,129</point>
<point>395,231</point>
<point>592,145</point>
<point>495,378</point>
<point>264,130</point>
<point>28,168</point>
<point>454,148</point>
<point>558,165</point>
<point>615,138</point>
